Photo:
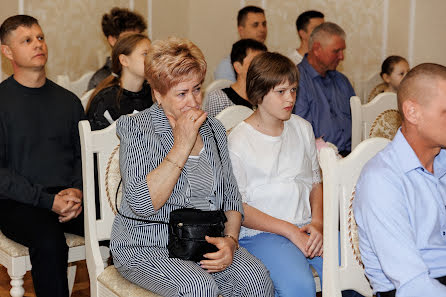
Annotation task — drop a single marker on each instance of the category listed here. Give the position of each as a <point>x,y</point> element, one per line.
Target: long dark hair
<point>124,46</point>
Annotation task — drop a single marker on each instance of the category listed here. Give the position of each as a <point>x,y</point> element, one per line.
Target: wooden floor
<point>81,285</point>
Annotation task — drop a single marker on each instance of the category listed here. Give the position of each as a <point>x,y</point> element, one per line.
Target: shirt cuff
<point>46,201</point>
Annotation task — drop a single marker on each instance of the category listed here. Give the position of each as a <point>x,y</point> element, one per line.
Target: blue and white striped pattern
<point>200,182</point>
<point>246,276</point>
<point>139,249</point>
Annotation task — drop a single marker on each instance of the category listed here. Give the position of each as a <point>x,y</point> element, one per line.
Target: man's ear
<point>302,34</point>
<point>316,48</point>
<point>237,66</point>
<point>240,30</point>
<point>411,111</point>
<point>6,50</point>
<point>112,40</point>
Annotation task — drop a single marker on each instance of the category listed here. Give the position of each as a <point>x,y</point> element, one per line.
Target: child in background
<point>125,91</point>
<point>393,70</point>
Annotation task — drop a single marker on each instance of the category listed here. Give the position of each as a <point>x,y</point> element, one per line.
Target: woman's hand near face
<point>222,258</point>
<point>185,128</point>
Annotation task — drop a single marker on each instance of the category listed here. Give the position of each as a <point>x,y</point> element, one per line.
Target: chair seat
<point>112,280</point>
<point>14,249</point>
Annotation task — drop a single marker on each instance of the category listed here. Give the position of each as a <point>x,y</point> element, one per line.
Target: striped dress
<point>140,249</point>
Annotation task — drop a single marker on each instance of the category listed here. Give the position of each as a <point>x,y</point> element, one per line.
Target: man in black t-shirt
<point>40,159</point>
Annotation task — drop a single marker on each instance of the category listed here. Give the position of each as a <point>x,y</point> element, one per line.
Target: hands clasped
<point>68,204</point>
<point>309,239</point>
<point>222,258</point>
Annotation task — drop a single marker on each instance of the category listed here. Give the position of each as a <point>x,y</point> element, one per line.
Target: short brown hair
<point>171,61</point>
<point>12,23</point>
<point>243,14</point>
<point>420,84</point>
<point>266,71</point>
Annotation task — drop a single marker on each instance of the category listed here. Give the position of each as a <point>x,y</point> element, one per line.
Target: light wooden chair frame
<point>340,177</point>
<point>363,115</point>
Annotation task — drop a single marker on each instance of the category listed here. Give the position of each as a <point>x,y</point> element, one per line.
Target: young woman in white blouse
<point>274,159</point>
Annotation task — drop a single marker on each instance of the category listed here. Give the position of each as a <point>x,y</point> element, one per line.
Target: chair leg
<point>71,277</point>
<point>17,289</point>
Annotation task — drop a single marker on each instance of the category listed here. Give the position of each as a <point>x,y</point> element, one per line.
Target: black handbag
<point>188,227</point>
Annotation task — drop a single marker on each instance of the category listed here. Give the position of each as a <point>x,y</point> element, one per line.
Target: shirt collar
<point>409,160</point>
<point>311,71</point>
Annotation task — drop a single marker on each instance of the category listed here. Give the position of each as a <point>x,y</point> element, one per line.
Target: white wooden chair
<point>340,177</point>
<point>104,281</point>
<point>232,115</point>
<point>215,85</point>
<point>363,115</point>
<point>78,87</point>
<point>85,98</point>
<point>15,257</point>
<point>368,85</point>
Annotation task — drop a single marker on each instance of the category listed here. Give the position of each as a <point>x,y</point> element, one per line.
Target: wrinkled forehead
<point>332,41</point>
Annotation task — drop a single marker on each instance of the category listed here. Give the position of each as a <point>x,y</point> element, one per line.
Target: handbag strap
<point>161,222</point>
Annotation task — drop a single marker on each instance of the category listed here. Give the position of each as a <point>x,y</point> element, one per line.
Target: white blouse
<point>276,174</point>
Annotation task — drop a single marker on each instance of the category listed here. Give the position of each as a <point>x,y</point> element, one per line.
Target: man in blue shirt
<point>400,204</point>
<point>324,93</point>
<point>251,23</point>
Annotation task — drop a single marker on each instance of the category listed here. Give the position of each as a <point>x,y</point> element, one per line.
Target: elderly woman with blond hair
<point>173,156</point>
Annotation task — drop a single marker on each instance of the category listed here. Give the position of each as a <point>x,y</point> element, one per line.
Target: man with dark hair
<point>400,202</point>
<point>324,93</point>
<point>305,24</point>
<point>243,51</point>
<point>40,159</point>
<point>251,23</point>
<point>114,24</point>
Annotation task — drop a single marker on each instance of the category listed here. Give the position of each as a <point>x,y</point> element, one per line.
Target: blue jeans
<point>289,268</point>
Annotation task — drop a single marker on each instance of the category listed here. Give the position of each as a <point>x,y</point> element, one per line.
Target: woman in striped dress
<point>172,156</point>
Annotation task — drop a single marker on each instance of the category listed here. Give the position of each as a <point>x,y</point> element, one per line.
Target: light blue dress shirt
<point>325,103</point>
<point>400,209</point>
<point>225,70</point>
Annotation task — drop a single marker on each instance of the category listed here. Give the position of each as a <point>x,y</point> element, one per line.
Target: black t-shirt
<point>107,100</point>
<point>39,142</point>
<point>235,98</point>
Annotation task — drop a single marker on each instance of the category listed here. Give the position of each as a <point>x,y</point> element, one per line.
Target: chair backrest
<point>369,84</point>
<point>386,124</point>
<point>232,115</point>
<point>363,115</point>
<point>85,98</point>
<point>340,177</point>
<point>380,88</point>
<point>78,87</point>
<point>105,145</point>
<point>215,85</point>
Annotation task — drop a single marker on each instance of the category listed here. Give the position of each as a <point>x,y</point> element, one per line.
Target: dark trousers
<point>39,229</point>
<point>393,292</point>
